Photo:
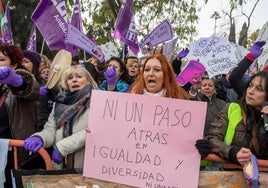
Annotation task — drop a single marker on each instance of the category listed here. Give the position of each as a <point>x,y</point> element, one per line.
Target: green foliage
<point>20,13</point>
<point>100,22</point>
<point>253,37</point>
<point>100,18</point>
<point>148,14</point>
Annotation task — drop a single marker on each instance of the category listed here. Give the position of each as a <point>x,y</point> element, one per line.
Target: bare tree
<point>244,35</point>
<point>233,6</point>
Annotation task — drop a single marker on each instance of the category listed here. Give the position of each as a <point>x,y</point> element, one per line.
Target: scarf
<point>69,106</point>
<point>158,94</point>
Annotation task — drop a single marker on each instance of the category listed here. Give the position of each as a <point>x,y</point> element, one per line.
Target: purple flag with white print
<point>49,17</point>
<point>79,39</point>
<point>76,21</point>
<point>163,32</point>
<point>125,28</point>
<point>31,45</point>
<point>7,28</point>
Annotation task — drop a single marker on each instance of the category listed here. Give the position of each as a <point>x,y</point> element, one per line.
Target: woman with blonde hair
<point>65,128</point>
<point>45,61</point>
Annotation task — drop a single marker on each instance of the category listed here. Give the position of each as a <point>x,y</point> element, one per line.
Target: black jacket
<point>237,79</point>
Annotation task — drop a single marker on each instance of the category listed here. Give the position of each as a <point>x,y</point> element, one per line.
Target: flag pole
<point>42,48</point>
<point>84,56</point>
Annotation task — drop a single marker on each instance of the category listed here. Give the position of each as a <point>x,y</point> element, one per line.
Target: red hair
<point>170,85</point>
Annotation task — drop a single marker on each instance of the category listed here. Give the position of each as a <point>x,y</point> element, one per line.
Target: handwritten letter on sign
<point>144,141</point>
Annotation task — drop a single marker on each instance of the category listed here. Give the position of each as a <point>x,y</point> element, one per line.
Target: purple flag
<point>163,32</point>
<point>49,17</point>
<point>125,28</point>
<point>76,21</point>
<point>7,28</point>
<point>32,40</point>
<point>168,48</point>
<point>79,39</point>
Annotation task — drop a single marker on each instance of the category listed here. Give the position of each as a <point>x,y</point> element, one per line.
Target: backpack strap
<point>234,117</point>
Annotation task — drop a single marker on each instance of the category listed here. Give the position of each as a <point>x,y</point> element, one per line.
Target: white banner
<point>217,54</point>
<point>263,35</point>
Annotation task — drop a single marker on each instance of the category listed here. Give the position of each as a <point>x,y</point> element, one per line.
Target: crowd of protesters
<point>58,119</point>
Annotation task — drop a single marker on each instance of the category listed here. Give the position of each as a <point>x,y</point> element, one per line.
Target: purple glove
<point>251,172</point>
<point>8,76</point>
<point>257,49</point>
<point>110,75</point>
<point>56,156</point>
<point>43,91</point>
<point>33,143</point>
<point>183,53</point>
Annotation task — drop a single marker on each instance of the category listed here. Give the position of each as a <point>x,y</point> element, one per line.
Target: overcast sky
<point>206,24</point>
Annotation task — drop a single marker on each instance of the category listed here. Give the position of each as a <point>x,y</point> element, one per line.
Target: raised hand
<point>8,76</point>
<point>183,53</point>
<point>110,75</point>
<point>256,49</point>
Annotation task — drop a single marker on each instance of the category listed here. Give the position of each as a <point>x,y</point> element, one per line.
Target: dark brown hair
<point>14,53</point>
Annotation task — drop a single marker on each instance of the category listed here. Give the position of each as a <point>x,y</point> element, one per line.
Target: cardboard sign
<point>216,53</point>
<point>144,141</point>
